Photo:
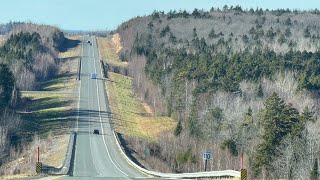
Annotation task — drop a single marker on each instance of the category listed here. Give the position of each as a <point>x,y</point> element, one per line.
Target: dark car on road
<point>96,131</point>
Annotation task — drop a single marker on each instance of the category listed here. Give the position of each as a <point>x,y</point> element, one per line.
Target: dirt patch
<point>109,48</point>
<point>2,40</point>
<point>116,43</point>
<point>147,109</point>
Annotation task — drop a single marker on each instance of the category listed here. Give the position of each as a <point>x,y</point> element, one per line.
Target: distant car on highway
<point>96,131</point>
<point>93,75</point>
<point>88,42</point>
<point>91,44</point>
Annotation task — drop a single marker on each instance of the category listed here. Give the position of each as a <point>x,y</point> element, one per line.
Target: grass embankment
<point>109,48</point>
<point>51,109</point>
<point>131,116</point>
<point>47,117</point>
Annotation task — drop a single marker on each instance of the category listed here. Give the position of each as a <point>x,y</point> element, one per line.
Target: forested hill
<point>30,51</point>
<point>27,58</point>
<point>227,75</point>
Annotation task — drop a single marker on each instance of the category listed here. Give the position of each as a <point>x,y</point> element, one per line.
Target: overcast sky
<point>107,14</point>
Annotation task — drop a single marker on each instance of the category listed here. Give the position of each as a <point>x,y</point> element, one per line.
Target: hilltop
<point>226,76</point>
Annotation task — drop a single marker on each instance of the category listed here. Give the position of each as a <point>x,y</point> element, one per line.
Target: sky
<point>107,14</point>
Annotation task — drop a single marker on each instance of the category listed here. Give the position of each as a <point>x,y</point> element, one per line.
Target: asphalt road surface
<point>96,156</point>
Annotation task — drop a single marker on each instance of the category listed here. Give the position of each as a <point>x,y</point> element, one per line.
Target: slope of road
<point>96,155</point>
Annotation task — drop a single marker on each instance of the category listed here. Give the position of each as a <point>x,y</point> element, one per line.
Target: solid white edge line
<point>170,175</point>
<point>104,141</point>
<point>79,96</point>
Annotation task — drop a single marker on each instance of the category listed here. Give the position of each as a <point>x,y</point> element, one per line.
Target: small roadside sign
<point>206,155</point>
<point>39,167</point>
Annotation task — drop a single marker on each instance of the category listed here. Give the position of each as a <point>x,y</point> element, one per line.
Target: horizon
<point>102,18</point>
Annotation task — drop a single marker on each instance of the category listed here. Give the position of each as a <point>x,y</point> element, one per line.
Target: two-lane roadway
<point>96,156</point>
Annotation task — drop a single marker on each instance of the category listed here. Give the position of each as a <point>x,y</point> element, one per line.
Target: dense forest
<point>237,81</point>
<point>27,58</point>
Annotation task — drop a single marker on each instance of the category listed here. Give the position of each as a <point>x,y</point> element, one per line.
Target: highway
<point>96,156</point>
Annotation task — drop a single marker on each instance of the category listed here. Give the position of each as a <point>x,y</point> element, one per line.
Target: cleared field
<point>109,48</point>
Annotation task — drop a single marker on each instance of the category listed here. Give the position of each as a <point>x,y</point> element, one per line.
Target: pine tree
<point>195,32</point>
<point>260,91</point>
<point>6,85</point>
<point>314,173</point>
<point>307,115</point>
<point>178,129</point>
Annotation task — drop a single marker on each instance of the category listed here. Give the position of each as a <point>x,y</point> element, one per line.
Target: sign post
<point>39,164</point>
<point>206,156</point>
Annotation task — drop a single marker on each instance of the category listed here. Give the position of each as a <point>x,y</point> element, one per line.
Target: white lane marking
<point>104,141</point>
<point>89,115</point>
<point>79,97</point>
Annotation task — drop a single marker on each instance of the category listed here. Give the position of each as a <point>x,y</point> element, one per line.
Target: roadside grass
<point>109,48</point>
<point>52,109</point>
<point>47,117</point>
<point>129,116</point>
<point>60,83</point>
<point>47,112</point>
<point>71,48</point>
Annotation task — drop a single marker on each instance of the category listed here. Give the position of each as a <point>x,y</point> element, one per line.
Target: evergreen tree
<point>287,32</point>
<point>307,33</point>
<point>307,115</point>
<point>260,91</point>
<point>194,33</point>
<point>212,34</point>
<point>6,85</point>
<point>178,129</point>
<point>315,172</point>
<point>271,122</point>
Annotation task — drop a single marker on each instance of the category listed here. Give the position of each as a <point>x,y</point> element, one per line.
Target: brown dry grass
<point>56,153</point>
<point>2,40</point>
<point>52,152</point>
<point>109,48</point>
<point>132,117</point>
<point>72,52</point>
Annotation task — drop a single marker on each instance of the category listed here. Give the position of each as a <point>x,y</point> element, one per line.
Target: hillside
<point>35,58</point>
<point>236,81</point>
